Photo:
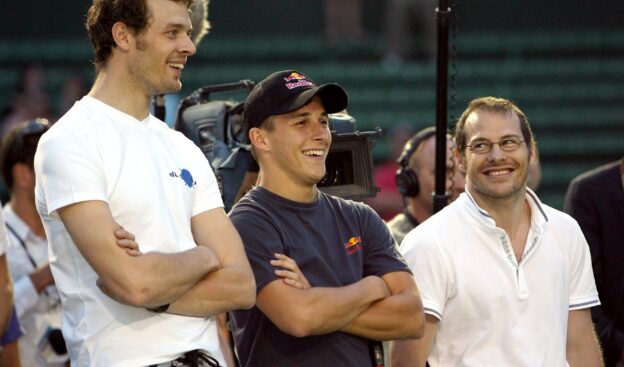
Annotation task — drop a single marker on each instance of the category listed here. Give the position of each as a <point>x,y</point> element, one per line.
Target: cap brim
<point>332,95</point>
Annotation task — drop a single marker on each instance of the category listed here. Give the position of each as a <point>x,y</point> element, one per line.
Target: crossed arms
<point>379,308</point>
<point>207,280</point>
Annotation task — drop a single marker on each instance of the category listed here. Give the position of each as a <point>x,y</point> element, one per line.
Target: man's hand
<point>126,241</point>
<point>290,272</point>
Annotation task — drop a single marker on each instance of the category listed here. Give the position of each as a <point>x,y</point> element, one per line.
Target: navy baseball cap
<point>286,91</point>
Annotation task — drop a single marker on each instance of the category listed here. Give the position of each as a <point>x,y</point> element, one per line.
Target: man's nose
<point>188,47</point>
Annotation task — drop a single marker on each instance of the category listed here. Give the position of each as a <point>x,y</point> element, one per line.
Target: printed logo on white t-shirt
<point>186,176</point>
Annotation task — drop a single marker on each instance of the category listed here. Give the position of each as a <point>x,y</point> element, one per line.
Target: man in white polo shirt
<point>505,280</point>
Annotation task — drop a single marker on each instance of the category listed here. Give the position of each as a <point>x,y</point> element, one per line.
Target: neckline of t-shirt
<point>287,202</point>
<point>97,104</point>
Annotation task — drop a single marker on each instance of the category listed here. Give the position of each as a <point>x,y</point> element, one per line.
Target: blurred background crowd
<point>562,61</point>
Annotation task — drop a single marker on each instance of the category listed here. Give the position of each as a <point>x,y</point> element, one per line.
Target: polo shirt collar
<point>538,214</point>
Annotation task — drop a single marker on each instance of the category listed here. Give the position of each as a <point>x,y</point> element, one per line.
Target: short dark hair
<point>103,14</point>
<point>492,104</point>
<point>19,146</point>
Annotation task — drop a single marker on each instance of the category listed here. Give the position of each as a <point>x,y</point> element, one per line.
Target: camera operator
<point>415,181</point>
<point>36,299</point>
<point>329,277</point>
<point>108,164</point>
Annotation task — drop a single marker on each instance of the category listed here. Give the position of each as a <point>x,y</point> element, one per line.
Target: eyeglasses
<point>507,144</point>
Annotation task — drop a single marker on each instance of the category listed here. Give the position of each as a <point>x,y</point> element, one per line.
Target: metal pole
<point>440,197</point>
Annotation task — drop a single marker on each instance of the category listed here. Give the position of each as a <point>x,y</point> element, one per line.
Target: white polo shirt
<point>494,311</point>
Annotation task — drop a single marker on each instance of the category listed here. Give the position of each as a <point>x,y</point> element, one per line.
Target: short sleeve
<point>425,259</point>
<point>380,249</point>
<point>261,241</point>
<point>207,194</point>
<point>67,172</point>
<point>583,293</point>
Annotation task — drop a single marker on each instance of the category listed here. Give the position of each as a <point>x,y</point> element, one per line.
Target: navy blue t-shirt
<point>335,243</point>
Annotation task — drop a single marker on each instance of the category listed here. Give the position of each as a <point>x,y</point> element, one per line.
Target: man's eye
<point>479,146</point>
<point>509,142</point>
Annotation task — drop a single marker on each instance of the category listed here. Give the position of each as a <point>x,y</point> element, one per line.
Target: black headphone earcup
<point>407,182</point>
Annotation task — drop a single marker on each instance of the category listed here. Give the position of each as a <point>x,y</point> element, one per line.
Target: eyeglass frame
<point>490,145</point>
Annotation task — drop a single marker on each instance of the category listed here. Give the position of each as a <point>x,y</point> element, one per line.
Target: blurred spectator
<point>402,18</point>
<point>596,200</point>
<point>9,325</point>
<point>388,202</point>
<point>415,181</point>
<point>74,88</point>
<point>343,22</point>
<point>30,99</point>
<point>36,299</point>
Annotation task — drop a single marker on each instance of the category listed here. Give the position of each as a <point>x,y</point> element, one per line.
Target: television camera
<point>216,128</point>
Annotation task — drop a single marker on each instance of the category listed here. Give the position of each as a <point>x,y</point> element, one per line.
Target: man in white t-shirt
<point>108,165</point>
<point>505,280</point>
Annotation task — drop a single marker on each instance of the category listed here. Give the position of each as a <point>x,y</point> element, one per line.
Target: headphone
<point>406,178</point>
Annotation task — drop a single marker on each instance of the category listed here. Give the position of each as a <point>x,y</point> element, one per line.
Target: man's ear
<point>122,36</point>
<point>259,139</point>
<point>460,159</point>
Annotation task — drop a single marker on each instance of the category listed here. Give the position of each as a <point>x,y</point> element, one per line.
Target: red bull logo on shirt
<point>353,245</point>
<point>295,80</point>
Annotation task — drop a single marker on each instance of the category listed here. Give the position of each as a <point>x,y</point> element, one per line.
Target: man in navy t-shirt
<point>329,279</point>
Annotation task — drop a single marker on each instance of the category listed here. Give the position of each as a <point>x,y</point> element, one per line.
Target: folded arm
<point>396,317</point>
<point>318,310</point>
<point>230,287</point>
<point>149,280</point>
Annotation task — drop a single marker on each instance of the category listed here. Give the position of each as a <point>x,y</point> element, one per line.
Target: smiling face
<point>497,174</point>
<point>160,52</point>
<point>292,148</point>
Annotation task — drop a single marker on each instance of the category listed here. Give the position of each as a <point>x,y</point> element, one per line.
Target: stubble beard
<point>148,75</point>
<point>487,193</point>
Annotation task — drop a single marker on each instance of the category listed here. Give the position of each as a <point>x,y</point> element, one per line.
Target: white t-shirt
<point>154,181</point>
<point>492,310</point>
<point>4,239</point>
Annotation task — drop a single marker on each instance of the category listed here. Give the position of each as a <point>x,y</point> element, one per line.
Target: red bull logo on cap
<point>295,80</point>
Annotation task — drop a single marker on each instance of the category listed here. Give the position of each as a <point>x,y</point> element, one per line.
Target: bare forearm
<point>585,354</point>
<point>396,317</point>
<point>6,295</point>
<point>154,279</point>
<point>226,289</point>
<point>414,352</point>
<point>321,310</point>
<point>407,353</point>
